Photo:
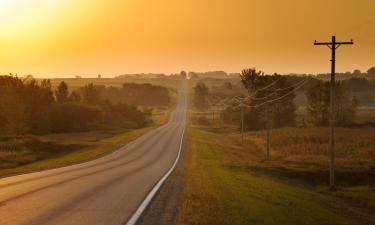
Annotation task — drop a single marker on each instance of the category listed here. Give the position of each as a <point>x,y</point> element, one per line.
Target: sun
<point>19,16</point>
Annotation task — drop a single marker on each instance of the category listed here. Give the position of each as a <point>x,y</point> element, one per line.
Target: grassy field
<point>34,153</point>
<point>364,114</point>
<point>75,83</point>
<point>228,183</point>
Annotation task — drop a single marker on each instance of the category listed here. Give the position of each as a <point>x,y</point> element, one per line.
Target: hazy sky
<point>63,38</point>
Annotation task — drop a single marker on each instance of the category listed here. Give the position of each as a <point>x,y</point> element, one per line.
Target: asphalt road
<point>104,191</point>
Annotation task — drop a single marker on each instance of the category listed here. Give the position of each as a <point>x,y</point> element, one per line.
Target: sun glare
<point>18,16</point>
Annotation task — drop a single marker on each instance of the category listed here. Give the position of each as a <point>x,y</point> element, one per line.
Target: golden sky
<point>63,38</point>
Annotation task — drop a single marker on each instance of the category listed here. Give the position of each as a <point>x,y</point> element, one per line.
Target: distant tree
<point>139,94</point>
<point>357,73</point>
<point>62,92</point>
<point>74,97</point>
<point>46,94</point>
<point>228,85</point>
<point>193,75</point>
<point>29,107</point>
<point>371,72</point>
<point>200,95</point>
<point>318,98</point>
<point>265,88</point>
<point>73,116</point>
<point>38,99</point>
<point>358,84</point>
<point>183,74</point>
<point>91,94</point>
<point>251,79</point>
<point>318,103</point>
<point>13,113</point>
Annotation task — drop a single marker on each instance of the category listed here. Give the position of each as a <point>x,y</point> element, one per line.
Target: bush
<point>202,120</point>
<point>72,116</point>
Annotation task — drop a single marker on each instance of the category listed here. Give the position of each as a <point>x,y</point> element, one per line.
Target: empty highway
<point>104,191</point>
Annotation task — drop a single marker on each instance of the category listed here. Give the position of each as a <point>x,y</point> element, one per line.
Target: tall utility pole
<point>213,114</point>
<point>242,121</point>
<point>267,133</point>
<point>333,45</point>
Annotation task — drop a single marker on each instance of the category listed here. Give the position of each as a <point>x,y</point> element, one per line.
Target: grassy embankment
<point>34,153</point>
<point>228,183</point>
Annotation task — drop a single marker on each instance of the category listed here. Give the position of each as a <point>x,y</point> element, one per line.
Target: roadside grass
<point>30,153</point>
<point>221,188</point>
<point>160,117</point>
<point>83,147</point>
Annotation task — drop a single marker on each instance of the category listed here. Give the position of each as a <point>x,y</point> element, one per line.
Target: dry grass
<point>355,148</point>
<point>221,188</point>
<point>200,203</point>
<point>160,117</point>
<point>63,149</point>
<point>301,155</point>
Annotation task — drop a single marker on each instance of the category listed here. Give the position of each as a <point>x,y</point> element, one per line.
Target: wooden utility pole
<point>242,121</point>
<point>333,45</point>
<point>267,133</point>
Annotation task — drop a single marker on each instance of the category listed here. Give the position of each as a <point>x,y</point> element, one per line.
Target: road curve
<point>106,191</point>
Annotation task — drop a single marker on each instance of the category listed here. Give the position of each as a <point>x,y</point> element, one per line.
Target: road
<point>104,191</point>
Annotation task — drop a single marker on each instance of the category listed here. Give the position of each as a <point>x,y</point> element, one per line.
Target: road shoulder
<point>164,208</point>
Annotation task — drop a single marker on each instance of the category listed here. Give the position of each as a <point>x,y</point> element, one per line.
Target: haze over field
<point>64,38</point>
<point>185,112</point>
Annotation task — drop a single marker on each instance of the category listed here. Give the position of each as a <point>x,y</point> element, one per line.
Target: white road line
<point>134,219</point>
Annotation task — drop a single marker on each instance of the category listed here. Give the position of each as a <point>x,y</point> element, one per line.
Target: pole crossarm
<point>334,45</point>
<point>331,43</point>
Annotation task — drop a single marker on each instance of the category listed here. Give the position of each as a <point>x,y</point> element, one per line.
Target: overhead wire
<point>279,98</point>
<point>296,86</point>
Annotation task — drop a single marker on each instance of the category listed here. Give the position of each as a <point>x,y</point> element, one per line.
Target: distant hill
<point>142,75</point>
<point>210,74</point>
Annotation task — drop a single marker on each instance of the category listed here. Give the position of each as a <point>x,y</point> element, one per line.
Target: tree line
<point>264,89</point>
<point>138,94</point>
<point>31,107</point>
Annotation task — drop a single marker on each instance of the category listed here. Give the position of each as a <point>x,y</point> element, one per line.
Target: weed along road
<point>109,190</point>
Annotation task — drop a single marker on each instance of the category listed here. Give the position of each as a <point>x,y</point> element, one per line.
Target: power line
<point>281,97</point>
<point>280,89</point>
<point>268,86</point>
<point>295,87</point>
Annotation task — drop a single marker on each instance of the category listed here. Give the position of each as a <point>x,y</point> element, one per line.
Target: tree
<point>228,85</point>
<point>357,72</point>
<point>250,79</point>
<point>318,103</point>
<point>200,95</point>
<point>38,98</point>
<point>183,74</point>
<point>371,72</point>
<point>62,92</point>
<point>74,97</point>
<point>73,116</point>
<point>13,115</point>
<point>267,88</point>
<point>318,97</point>
<point>91,94</point>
